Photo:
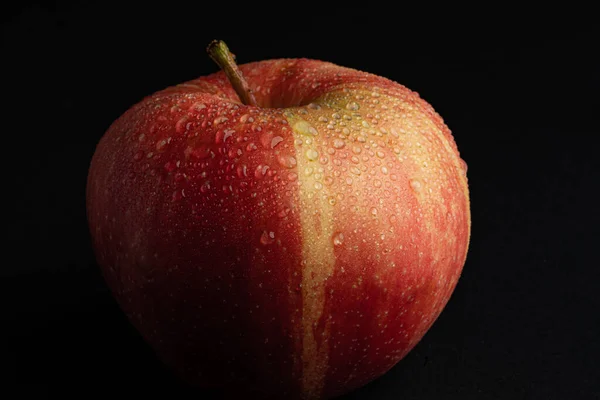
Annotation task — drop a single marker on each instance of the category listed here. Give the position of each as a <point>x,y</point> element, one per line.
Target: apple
<point>285,228</point>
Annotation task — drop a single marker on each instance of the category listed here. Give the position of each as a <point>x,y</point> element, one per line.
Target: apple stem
<point>219,52</point>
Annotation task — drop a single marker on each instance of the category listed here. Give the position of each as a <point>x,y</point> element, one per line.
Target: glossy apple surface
<point>298,249</point>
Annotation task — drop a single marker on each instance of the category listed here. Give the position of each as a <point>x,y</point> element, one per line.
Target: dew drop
<point>285,211</point>
<point>160,144</point>
<point>415,184</point>
<point>242,171</point>
<point>312,154</point>
<point>377,183</point>
<point>384,170</point>
<point>336,116</point>
<point>464,165</point>
<point>338,239</point>
<point>292,176</point>
<point>314,106</point>
<point>220,120</point>
<point>356,149</point>
<point>286,161</point>
<point>261,171</point>
<point>251,146</point>
<point>353,106</point>
<point>197,106</point>
<point>228,133</point>
<point>199,152</point>
<point>267,237</point>
<point>338,143</point>
<point>222,136</point>
<point>180,126</point>
<point>374,211</point>
<point>304,128</point>
<point>308,171</point>
<point>380,154</point>
<point>275,141</point>
<point>318,185</point>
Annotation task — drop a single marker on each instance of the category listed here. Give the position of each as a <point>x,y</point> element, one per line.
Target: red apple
<point>297,243</point>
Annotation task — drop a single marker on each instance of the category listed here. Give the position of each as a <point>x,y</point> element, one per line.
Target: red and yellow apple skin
<point>298,249</point>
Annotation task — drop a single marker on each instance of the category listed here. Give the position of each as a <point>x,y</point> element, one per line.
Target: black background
<point>518,89</point>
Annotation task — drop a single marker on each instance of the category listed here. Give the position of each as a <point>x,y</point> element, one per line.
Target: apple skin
<point>298,249</point>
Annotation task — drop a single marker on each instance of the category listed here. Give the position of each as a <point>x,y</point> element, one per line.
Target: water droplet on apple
<point>292,176</point>
<point>180,126</point>
<point>285,211</point>
<point>384,170</point>
<point>261,171</point>
<point>374,211</point>
<point>353,106</point>
<point>251,146</point>
<point>199,152</point>
<point>415,184</point>
<point>336,116</point>
<point>464,165</point>
<point>286,161</point>
<point>205,187</point>
<point>267,237</point>
<point>138,155</point>
<point>304,128</point>
<point>318,185</point>
<point>197,106</point>
<point>242,171</point>
<point>377,183</point>
<point>275,141</point>
<point>380,154</point>
<point>355,171</point>
<point>338,143</point>
<point>338,239</point>
<point>220,120</point>
<point>312,154</point>
<point>160,144</point>
<point>308,171</point>
<point>314,106</point>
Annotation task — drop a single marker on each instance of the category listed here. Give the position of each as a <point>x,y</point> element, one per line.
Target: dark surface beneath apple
<point>519,94</point>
